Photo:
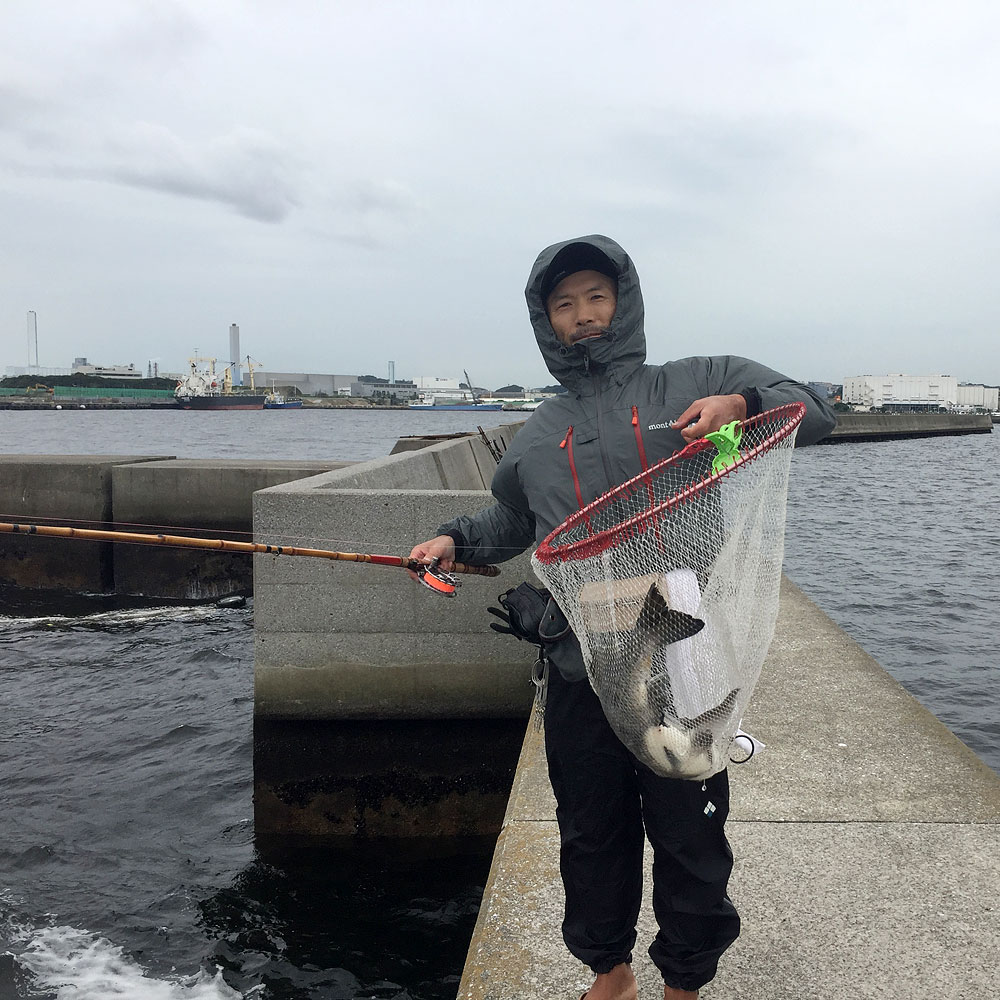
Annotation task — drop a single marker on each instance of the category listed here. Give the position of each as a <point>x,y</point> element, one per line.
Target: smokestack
<point>32,335</point>
<point>392,373</point>
<point>234,353</point>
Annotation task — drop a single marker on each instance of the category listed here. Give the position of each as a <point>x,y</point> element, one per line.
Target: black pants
<point>605,797</point>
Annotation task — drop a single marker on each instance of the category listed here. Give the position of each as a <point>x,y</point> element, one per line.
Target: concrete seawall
<point>896,426</point>
<point>144,493</point>
<point>59,489</point>
<point>380,707</point>
<point>866,837</point>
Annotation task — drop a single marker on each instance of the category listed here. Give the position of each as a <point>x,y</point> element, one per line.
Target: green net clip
<point>727,442</point>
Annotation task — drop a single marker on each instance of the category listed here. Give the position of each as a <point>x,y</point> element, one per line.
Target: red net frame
<point>689,469</point>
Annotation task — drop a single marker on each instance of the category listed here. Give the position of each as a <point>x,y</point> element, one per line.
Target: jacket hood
<point>618,354</point>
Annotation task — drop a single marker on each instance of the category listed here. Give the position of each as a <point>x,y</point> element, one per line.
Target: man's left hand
<point>706,415</point>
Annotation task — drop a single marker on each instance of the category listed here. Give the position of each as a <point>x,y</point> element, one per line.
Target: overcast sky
<point>814,185</point>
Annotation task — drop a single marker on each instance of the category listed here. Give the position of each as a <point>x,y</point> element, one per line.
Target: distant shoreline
<point>74,403</point>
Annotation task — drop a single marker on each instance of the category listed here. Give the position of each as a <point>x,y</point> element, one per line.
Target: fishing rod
<point>431,576</point>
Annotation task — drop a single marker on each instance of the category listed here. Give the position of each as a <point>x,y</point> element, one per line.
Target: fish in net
<point>670,582</point>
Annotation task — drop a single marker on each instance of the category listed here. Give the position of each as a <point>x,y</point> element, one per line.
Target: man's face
<point>581,306</point>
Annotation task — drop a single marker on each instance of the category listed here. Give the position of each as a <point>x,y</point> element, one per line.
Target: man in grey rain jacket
<point>618,417</point>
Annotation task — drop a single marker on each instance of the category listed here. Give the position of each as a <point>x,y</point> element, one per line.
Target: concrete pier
<point>866,837</point>
<point>381,708</point>
<point>208,497</point>
<point>855,427</point>
<point>59,489</point>
<point>144,493</point>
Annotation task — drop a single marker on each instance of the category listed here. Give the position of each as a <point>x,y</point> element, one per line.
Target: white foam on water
<point>134,616</point>
<point>78,965</point>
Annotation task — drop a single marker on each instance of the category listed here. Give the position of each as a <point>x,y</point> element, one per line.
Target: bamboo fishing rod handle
<point>476,570</point>
<point>458,567</point>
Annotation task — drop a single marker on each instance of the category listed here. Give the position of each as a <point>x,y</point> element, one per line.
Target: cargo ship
<point>276,401</point>
<point>202,389</point>
<point>455,399</point>
<point>439,401</point>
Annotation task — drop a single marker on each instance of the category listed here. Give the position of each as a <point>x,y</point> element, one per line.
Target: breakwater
<point>855,427</point>
<point>145,493</point>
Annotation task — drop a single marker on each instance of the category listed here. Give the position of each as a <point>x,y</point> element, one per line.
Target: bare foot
<point>618,984</point>
<point>671,993</point>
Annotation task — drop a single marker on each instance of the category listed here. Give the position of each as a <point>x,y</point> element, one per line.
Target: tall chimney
<point>32,335</point>
<point>234,353</point>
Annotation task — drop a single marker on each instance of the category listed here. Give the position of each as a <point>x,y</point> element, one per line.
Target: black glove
<point>530,613</point>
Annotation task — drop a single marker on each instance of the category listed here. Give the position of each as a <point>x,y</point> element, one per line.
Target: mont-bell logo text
<point>660,427</point>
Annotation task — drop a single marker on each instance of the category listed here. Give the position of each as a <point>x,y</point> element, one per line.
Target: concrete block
<point>366,600</point>
<point>310,675</point>
<point>342,640</point>
<point>210,498</point>
<point>415,470</point>
<point>415,442</point>
<point>353,520</point>
<point>459,467</point>
<point>484,460</point>
<point>394,778</point>
<point>64,490</point>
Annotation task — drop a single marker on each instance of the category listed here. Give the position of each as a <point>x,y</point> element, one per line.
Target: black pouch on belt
<point>529,613</point>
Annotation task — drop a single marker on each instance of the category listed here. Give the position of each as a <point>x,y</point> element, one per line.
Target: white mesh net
<point>670,582</point>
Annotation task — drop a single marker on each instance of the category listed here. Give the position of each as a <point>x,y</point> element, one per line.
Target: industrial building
<point>909,393</point>
<point>80,367</point>
<point>308,383</point>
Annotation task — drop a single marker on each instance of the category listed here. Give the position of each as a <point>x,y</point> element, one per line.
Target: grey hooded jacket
<point>614,405</point>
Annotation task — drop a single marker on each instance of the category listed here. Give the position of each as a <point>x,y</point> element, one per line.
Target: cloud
<point>246,169</point>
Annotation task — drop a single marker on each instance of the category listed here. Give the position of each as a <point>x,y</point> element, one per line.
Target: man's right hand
<point>441,547</point>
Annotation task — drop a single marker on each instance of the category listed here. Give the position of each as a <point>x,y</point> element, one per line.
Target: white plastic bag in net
<point>670,582</point>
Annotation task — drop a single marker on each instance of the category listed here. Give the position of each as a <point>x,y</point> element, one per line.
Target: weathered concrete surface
<point>344,640</point>
<point>210,497</point>
<point>59,489</point>
<point>398,778</point>
<point>349,641</point>
<point>407,711</point>
<point>866,836</point>
<point>414,442</point>
<point>893,426</point>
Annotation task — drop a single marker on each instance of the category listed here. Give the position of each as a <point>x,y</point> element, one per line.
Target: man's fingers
<point>693,412</point>
<point>694,432</point>
<point>441,548</point>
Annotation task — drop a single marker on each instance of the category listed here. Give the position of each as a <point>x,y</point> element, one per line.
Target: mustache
<point>585,332</point>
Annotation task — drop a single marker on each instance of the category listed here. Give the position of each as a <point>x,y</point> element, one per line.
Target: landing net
<point>670,582</point>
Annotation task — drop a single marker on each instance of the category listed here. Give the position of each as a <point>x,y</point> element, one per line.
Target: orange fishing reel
<point>437,579</point>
